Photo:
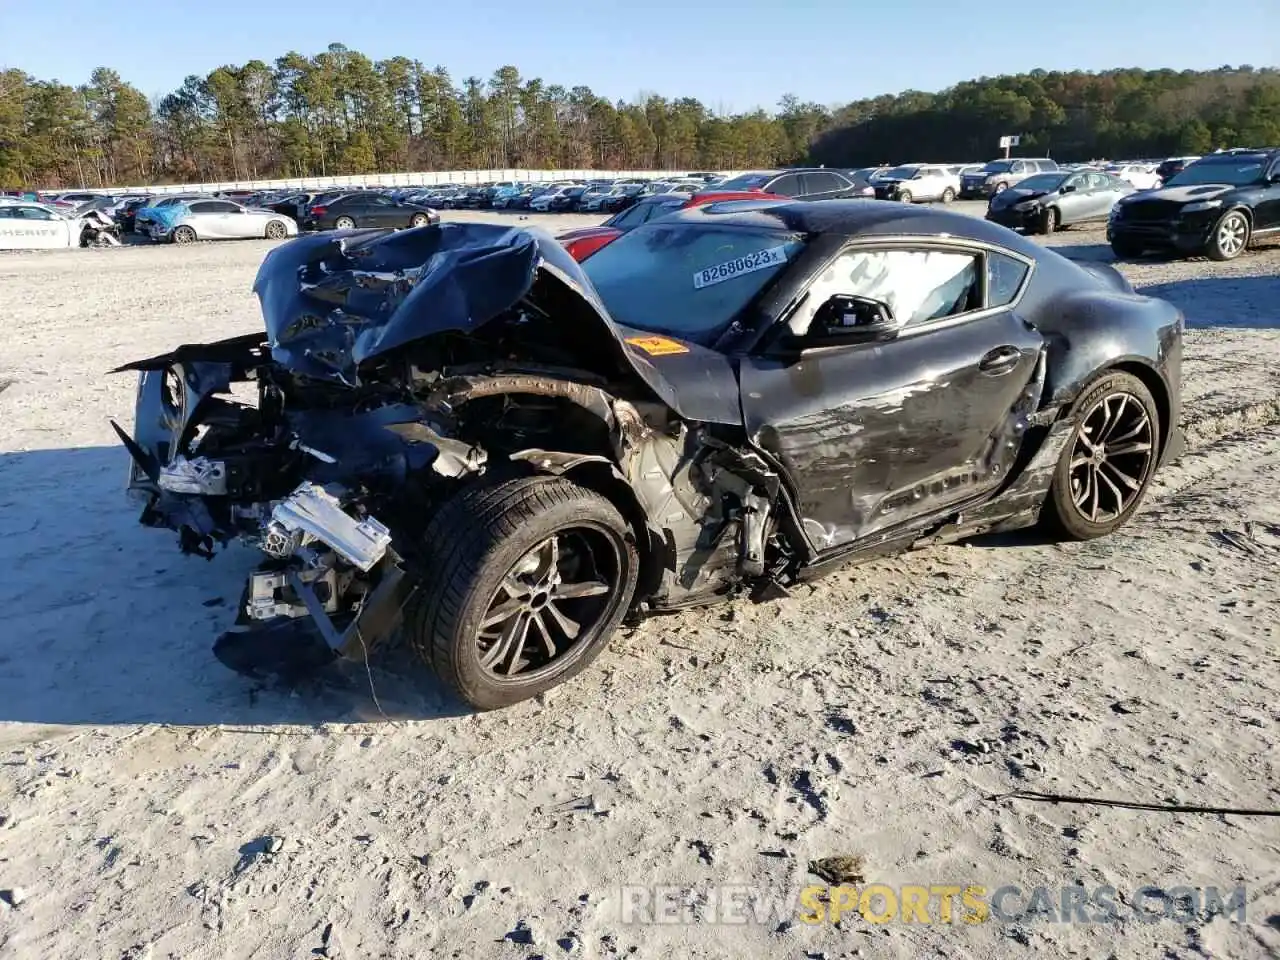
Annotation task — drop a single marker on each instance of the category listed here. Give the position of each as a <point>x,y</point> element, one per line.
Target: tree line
<point>340,112</point>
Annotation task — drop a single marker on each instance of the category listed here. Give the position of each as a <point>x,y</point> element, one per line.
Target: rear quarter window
<point>1005,277</point>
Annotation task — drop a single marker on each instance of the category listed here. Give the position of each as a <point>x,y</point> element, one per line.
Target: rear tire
<point>344,223</point>
<point>521,546</point>
<point>419,220</point>
<point>948,195</point>
<point>1001,187</point>
<point>276,230</point>
<point>1107,466</point>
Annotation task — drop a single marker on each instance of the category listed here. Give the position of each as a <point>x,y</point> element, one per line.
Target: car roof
<point>856,218</point>
<point>1231,156</point>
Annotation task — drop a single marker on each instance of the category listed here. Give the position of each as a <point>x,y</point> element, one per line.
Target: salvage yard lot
<point>871,713</point>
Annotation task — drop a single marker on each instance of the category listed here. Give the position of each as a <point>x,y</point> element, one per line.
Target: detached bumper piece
<point>332,588</point>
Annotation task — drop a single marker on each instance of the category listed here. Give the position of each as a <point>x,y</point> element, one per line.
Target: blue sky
<point>732,55</point>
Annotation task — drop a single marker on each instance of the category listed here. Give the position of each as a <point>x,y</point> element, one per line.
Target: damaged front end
<point>398,369</point>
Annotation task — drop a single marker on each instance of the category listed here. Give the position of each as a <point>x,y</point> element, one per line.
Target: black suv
<point>1214,208</point>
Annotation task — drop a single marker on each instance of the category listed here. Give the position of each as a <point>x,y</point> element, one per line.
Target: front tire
<point>1107,465</point>
<point>1049,222</point>
<point>1230,237</point>
<point>529,579</point>
<point>904,196</point>
<point>184,235</point>
<point>344,223</point>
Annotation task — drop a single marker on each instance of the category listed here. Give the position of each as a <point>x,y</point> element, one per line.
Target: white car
<point>34,226</point>
<point>915,182</point>
<point>220,220</point>
<point>1141,175</point>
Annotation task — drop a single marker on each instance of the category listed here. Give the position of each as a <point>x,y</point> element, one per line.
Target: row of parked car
<point>1213,206</point>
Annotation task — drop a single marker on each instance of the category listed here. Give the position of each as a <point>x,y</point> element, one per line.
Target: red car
<point>585,241</point>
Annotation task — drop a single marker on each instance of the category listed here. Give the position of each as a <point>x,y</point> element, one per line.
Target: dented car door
<point>879,428</point>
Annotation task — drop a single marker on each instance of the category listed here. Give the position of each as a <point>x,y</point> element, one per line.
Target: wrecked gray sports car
<point>459,430</point>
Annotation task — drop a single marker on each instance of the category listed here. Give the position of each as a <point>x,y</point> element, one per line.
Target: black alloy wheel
<point>529,578</point>
<point>549,599</point>
<point>1107,465</point>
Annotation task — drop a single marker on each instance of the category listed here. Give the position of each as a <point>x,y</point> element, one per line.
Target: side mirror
<point>1069,188</point>
<point>850,319</point>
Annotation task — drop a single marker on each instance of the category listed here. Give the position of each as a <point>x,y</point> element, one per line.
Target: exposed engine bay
<point>396,371</point>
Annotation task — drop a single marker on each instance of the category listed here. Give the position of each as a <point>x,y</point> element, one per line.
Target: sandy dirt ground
<point>154,805</point>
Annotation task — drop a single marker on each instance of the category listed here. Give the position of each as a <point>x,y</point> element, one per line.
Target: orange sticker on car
<point>658,346</point>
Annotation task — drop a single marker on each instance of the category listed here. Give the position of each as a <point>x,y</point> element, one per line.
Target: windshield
<point>903,173</point>
<point>1043,181</point>
<point>687,280</point>
<point>1236,173</point>
<point>746,181</point>
<point>998,166</point>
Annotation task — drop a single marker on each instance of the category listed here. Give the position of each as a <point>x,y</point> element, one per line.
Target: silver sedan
<point>222,220</point>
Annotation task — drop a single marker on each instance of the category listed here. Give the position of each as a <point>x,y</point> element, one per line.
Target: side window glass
<point>821,182</point>
<point>204,207</point>
<point>788,186</point>
<point>917,285</point>
<point>1004,279</point>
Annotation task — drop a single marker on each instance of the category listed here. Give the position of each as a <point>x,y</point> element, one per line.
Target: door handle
<point>1000,361</point>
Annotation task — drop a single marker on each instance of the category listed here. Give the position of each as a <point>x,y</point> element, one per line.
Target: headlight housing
<point>1026,205</point>
<point>1200,206</point>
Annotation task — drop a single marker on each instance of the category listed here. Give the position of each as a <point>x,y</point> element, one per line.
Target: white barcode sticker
<point>750,263</point>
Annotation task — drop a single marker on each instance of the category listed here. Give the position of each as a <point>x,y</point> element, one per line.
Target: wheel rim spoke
<point>570,626</point>
<point>548,644</point>
<point>1115,492</point>
<point>502,612</point>
<point>575,591</point>
<point>1114,418</point>
<point>509,645</point>
<point>1107,467</point>
<point>1126,449</point>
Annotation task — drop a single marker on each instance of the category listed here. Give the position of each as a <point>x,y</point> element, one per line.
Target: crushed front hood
<point>334,302</point>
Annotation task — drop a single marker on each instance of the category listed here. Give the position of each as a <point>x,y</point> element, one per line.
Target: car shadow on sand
<point>103,621</point>
<point>1243,303</point>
